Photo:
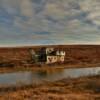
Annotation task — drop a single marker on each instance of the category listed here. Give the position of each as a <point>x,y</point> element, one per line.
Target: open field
<point>19,58</point>
<point>84,88</point>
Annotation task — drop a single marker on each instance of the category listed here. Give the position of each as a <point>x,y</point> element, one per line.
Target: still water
<point>42,76</point>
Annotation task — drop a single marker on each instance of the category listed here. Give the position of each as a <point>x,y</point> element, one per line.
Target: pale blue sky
<point>32,22</point>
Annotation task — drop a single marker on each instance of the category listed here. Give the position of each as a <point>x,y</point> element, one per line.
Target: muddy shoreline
<point>83,88</point>
<point>34,67</point>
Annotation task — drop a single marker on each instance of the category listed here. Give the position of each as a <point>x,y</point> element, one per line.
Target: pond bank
<point>40,76</point>
<point>84,88</point>
<point>33,67</point>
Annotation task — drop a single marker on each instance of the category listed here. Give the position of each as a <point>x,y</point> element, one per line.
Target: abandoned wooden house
<point>48,55</point>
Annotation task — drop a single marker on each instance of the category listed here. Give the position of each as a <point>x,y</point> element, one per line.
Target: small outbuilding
<point>49,55</point>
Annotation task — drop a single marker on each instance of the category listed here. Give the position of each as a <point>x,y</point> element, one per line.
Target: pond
<point>28,77</point>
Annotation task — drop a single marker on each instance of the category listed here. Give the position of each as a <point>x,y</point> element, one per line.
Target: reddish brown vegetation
<point>87,88</point>
<point>75,54</point>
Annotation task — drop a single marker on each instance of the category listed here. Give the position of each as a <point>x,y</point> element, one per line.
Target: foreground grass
<point>84,88</point>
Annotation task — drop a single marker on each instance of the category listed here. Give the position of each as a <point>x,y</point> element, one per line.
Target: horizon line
<point>29,45</point>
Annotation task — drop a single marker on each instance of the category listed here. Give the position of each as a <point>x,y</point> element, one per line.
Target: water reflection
<point>47,75</point>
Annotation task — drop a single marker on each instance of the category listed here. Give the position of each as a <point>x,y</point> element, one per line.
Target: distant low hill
<point>75,54</point>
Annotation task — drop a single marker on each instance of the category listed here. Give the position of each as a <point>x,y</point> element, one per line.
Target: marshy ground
<point>84,88</point>
<point>19,58</point>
